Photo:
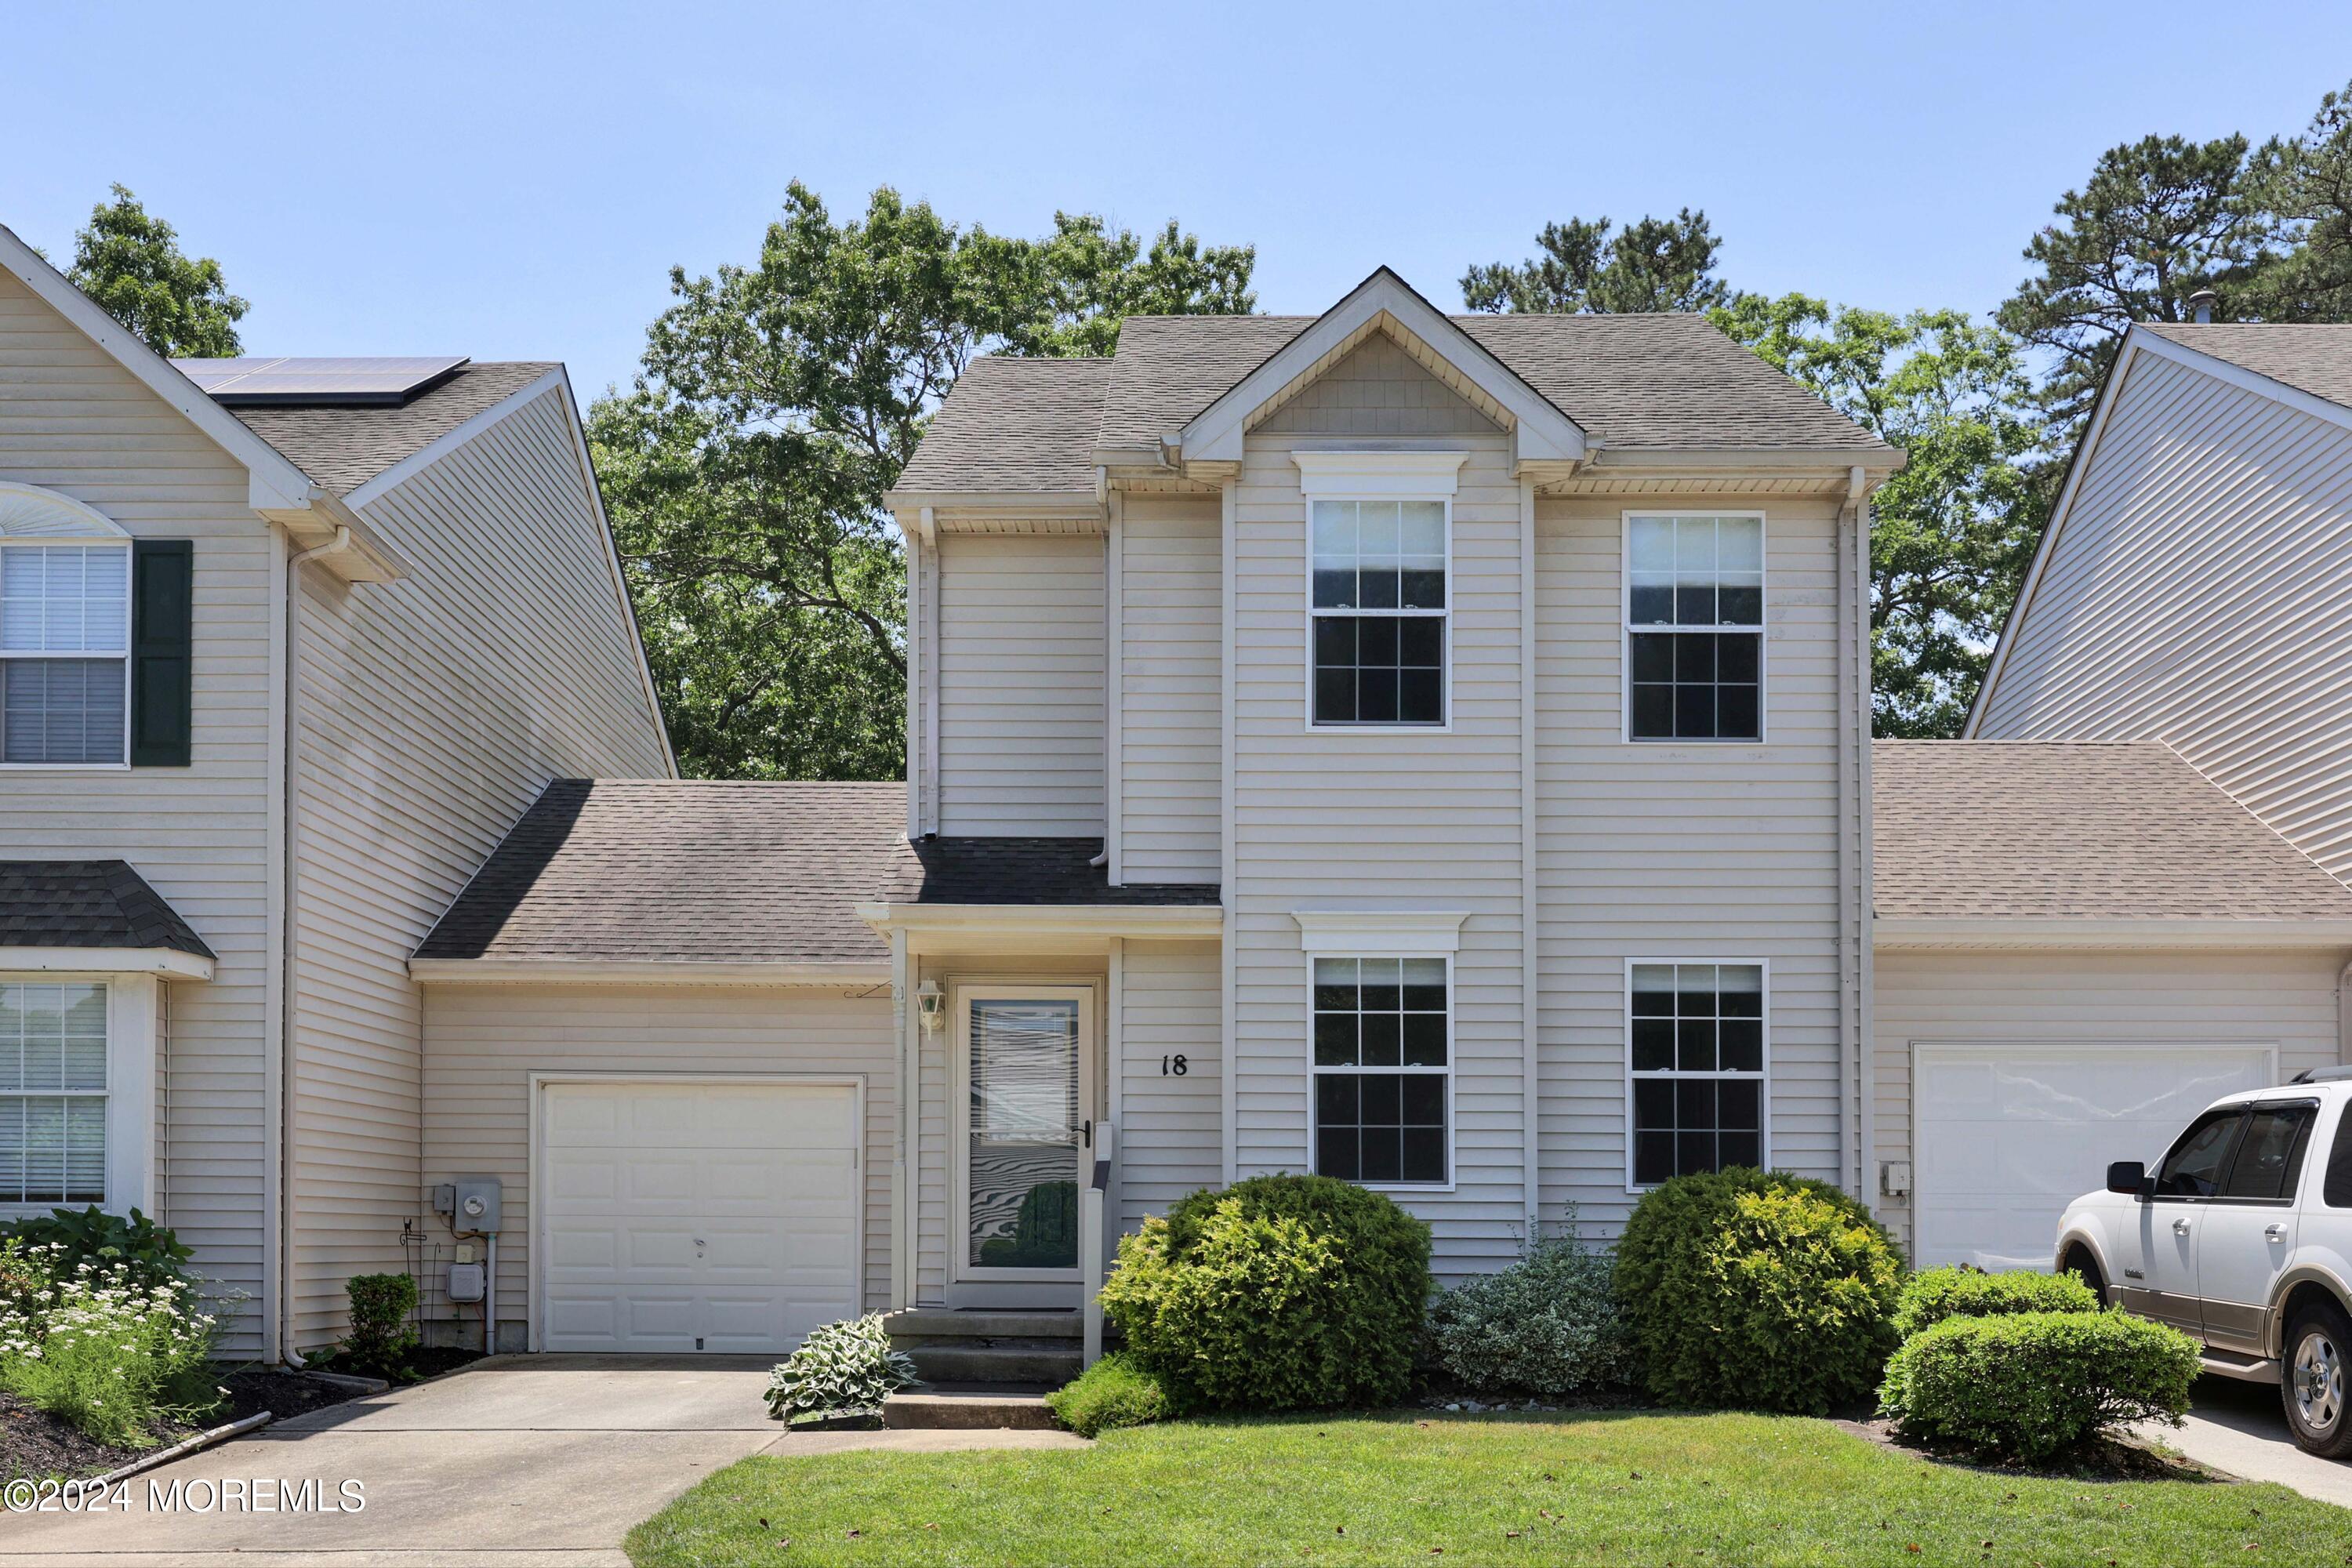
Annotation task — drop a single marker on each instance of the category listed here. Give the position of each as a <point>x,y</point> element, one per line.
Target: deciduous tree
<point>131,264</point>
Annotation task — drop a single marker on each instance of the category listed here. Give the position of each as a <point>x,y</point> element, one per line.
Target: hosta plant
<point>847,1368</point>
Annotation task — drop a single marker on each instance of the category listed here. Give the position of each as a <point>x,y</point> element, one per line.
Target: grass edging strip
<point>182,1449</point>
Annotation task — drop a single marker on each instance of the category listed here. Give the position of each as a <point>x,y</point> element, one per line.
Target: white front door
<point>1024,1091</point>
<point>2006,1136</point>
<point>696,1217</point>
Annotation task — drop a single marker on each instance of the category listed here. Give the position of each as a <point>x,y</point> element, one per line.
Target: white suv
<point>2242,1238</point>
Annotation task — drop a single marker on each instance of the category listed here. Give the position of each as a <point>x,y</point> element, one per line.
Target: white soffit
<point>1379,933</point>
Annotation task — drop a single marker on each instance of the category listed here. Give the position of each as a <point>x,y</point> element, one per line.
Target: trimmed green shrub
<point>1548,1324</point>
<point>152,1253</point>
<point>382,1307</point>
<point>1281,1293</point>
<point>1765,1290</point>
<point>2030,1385</point>
<point>847,1368</point>
<point>1933,1294</point>
<point>1117,1391</point>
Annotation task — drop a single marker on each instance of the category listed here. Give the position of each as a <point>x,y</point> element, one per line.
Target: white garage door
<point>2006,1136</point>
<point>719,1218</point>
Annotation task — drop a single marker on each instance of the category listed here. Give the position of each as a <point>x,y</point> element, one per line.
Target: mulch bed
<point>2101,1459</point>
<point>37,1444</point>
<point>423,1363</point>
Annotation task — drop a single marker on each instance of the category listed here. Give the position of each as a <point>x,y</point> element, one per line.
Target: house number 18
<point>1173,1067</point>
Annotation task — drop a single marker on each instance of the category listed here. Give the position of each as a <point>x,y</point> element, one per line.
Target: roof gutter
<point>641,972</point>
<point>2063,933</point>
<point>1061,921</point>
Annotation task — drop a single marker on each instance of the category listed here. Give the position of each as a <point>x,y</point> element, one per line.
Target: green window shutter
<point>163,584</point>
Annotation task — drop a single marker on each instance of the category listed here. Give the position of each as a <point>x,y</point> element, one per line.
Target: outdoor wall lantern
<point>928,1001</point>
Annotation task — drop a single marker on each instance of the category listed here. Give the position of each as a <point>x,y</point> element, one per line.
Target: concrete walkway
<point>2238,1427</point>
<point>518,1461</point>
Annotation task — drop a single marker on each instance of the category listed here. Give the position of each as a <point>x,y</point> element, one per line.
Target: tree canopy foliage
<point>131,265</point>
<point>778,401</point>
<point>1651,264</point>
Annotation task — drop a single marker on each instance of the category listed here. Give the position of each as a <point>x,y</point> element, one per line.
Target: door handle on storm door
<point>2180,1228</point>
<point>1087,1134</point>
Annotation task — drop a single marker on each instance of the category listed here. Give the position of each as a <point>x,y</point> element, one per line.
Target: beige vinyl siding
<point>433,711</point>
<point>1168,1124</point>
<point>1172,639</point>
<point>73,420</point>
<point>2119,998</point>
<point>1377,389</point>
<point>483,1043</point>
<point>1722,850</point>
<point>1021,680</point>
<point>2199,593</point>
<point>1399,817</point>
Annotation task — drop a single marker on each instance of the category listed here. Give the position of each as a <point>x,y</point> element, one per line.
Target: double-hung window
<point>1695,627</point>
<point>1694,1058</point>
<point>1383,1071</point>
<point>1379,596</point>
<point>65,653</point>
<point>53,1091</point>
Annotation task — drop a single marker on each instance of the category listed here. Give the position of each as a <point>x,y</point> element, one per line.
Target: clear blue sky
<point>514,181</point>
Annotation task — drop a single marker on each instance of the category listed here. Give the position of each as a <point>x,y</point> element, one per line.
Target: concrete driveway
<point>2238,1427</point>
<point>518,1461</point>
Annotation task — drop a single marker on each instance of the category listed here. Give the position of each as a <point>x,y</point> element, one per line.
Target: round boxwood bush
<point>1933,1294</point>
<point>1757,1288</point>
<point>1280,1294</point>
<point>2031,1385</point>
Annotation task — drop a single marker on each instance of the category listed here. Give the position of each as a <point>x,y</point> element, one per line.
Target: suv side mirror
<point>2128,1177</point>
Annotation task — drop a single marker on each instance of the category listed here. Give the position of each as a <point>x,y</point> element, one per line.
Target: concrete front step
<point>925,1323</point>
<point>1051,1362</point>
<point>927,1408</point>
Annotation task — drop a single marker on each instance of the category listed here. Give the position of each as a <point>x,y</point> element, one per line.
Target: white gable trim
<point>449,441</point>
<point>276,484</point>
<point>2239,376</point>
<point>1539,431</point>
<point>29,511</point>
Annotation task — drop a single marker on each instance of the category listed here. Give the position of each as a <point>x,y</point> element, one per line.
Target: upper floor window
<point>65,653</point>
<point>1693,627</point>
<point>1380,602</point>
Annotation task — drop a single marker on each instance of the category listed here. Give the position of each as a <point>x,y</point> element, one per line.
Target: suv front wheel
<point>2318,1344</point>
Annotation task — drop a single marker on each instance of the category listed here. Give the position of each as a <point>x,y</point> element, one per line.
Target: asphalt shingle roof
<point>741,872</point>
<point>88,903</point>
<point>343,448</point>
<point>2075,830</point>
<point>1654,382</point>
<point>2312,357</point>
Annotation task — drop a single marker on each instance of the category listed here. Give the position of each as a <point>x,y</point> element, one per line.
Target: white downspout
<point>288,1230</point>
<point>1114,676</point>
<point>1530,912</point>
<point>1853,935</point>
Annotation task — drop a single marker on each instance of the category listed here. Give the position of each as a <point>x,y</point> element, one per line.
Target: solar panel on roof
<point>256,380</point>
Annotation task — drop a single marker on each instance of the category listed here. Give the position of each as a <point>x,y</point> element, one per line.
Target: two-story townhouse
<point>285,647</point>
<point>1428,750</point>
<point>2120,898</point>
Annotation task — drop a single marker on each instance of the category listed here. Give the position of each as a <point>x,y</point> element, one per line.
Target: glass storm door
<point>1026,1125</point>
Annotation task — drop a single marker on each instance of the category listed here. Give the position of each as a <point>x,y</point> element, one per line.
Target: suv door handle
<point>2180,1228</point>
<point>2274,1231</point>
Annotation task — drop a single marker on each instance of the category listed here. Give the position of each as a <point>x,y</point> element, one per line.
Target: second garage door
<point>684,1218</point>
<point>2006,1136</point>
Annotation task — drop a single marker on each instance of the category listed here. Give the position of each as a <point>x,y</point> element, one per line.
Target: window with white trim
<point>1380,611</point>
<point>53,1093</point>
<point>1694,628</point>
<point>1695,1067</point>
<point>65,653</point>
<point>1383,1071</point>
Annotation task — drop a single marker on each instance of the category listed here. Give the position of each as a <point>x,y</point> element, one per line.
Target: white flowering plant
<point>104,1345</point>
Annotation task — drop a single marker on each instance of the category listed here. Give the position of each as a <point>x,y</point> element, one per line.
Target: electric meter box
<point>476,1211</point>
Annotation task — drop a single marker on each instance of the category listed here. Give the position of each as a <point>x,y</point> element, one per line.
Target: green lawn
<point>1638,1491</point>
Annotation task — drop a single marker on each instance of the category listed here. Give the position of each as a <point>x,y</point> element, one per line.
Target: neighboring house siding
<point>1172,645</point>
<point>487,1041</point>
<point>72,419</point>
<point>1399,818</point>
<point>1689,851</point>
<point>1168,1122</point>
<point>1022,663</point>
<point>2117,998</point>
<point>433,711</point>
<point>2199,593</point>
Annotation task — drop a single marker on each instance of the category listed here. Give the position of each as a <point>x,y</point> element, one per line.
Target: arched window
<point>64,632</point>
